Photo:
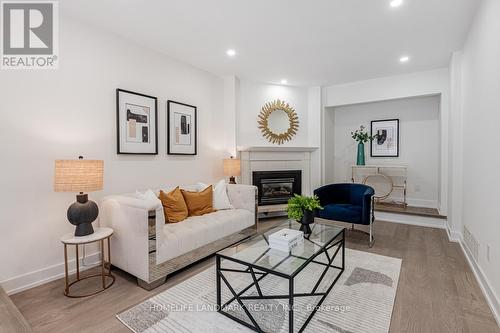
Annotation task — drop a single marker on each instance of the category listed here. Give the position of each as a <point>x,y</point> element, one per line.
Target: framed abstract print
<point>181,129</point>
<point>137,123</point>
<point>386,144</point>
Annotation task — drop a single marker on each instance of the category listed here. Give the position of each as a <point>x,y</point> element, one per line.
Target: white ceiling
<point>308,42</point>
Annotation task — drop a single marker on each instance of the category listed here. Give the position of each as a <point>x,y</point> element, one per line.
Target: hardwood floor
<point>437,291</point>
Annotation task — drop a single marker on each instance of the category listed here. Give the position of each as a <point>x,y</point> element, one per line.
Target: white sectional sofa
<point>148,248</point>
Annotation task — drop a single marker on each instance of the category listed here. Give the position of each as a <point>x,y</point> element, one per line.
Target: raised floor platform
<point>408,210</point>
<point>277,210</point>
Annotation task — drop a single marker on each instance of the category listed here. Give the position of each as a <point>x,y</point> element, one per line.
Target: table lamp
<point>80,176</point>
<point>232,168</point>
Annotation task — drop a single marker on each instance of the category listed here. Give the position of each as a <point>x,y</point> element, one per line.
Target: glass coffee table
<point>254,280</point>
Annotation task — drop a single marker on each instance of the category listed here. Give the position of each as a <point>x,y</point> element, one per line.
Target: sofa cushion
<point>341,212</point>
<point>196,231</point>
<point>220,199</point>
<point>174,206</point>
<point>148,195</point>
<point>199,203</point>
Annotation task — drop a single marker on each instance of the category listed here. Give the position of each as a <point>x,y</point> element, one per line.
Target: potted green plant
<point>302,208</point>
<point>361,137</point>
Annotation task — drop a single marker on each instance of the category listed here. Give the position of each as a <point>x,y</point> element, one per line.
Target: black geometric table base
<point>258,273</point>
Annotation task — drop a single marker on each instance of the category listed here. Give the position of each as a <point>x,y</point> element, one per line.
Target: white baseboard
<point>491,298</point>
<point>423,221</point>
<point>29,280</point>
<point>453,236</point>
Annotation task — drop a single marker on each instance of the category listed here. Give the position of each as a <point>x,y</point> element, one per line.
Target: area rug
<point>361,301</point>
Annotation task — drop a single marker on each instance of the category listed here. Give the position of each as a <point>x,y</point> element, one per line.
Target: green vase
<point>361,154</point>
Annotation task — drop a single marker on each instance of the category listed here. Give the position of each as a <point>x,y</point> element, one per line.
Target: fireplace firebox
<point>276,187</point>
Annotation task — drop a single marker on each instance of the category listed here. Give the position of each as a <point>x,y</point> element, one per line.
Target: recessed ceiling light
<point>231,52</point>
<point>284,81</point>
<point>396,3</point>
<point>404,59</point>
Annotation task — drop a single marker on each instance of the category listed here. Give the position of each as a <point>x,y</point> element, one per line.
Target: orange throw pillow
<point>174,206</point>
<point>199,203</point>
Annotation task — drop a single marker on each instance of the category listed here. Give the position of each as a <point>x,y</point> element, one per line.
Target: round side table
<point>99,235</point>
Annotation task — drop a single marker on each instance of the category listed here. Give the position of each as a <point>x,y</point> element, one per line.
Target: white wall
<point>418,143</point>
<point>314,133</point>
<point>481,119</point>
<point>230,116</point>
<point>328,145</point>
<point>251,98</point>
<point>435,82</point>
<point>60,114</point>
<point>307,102</point>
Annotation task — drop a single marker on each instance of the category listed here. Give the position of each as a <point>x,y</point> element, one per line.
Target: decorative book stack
<point>286,239</point>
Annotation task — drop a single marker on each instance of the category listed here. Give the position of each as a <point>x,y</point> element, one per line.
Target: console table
<point>385,179</point>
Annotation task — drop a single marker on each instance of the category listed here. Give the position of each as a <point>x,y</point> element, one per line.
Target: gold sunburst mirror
<point>278,122</point>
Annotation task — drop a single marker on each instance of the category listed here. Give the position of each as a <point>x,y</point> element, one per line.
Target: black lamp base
<point>82,213</point>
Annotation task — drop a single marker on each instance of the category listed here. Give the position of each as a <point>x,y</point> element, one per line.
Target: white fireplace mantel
<point>277,159</point>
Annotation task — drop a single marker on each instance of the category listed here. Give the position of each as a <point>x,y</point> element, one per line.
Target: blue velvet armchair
<point>352,203</point>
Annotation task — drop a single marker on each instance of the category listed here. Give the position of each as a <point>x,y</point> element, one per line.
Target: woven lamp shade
<point>78,175</point>
<point>232,167</point>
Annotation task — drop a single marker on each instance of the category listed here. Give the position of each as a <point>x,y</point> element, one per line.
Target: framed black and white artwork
<point>137,123</point>
<point>181,129</point>
<point>386,144</point>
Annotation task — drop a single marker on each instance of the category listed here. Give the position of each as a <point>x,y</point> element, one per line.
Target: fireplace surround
<point>274,158</point>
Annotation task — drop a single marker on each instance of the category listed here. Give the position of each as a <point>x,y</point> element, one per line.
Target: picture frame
<point>136,123</point>
<point>182,128</point>
<point>387,142</point>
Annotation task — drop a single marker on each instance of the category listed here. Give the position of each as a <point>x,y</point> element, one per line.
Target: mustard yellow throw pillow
<point>174,206</point>
<point>199,203</point>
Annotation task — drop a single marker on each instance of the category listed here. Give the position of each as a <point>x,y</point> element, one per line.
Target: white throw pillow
<point>149,195</point>
<point>220,198</point>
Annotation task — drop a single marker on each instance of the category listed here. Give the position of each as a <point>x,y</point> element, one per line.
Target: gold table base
<point>105,273</point>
